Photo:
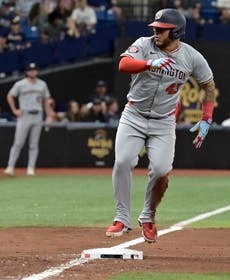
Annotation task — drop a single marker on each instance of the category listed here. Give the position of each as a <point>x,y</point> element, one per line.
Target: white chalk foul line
<point>55,270</point>
<point>78,261</point>
<point>176,227</point>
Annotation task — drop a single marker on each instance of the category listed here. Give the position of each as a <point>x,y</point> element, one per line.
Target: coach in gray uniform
<point>160,65</point>
<point>33,95</point>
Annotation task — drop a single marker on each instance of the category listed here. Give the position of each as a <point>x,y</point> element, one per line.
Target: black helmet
<point>170,19</point>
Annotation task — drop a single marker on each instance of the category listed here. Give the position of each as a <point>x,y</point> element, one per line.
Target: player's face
<point>161,37</point>
<point>32,74</point>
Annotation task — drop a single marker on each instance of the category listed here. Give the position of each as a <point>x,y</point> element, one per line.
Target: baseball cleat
<point>9,171</point>
<point>149,232</point>
<point>30,171</point>
<point>116,229</point>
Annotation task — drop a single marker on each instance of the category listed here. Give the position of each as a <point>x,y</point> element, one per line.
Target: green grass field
<point>88,201</point>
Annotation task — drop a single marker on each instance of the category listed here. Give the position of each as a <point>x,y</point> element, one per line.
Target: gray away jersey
<point>155,93</point>
<point>30,95</point>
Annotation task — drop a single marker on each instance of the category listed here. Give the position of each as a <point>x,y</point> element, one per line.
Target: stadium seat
<point>110,15</point>
<point>31,32</point>
<point>10,61</point>
<point>41,54</point>
<point>207,3</point>
<point>102,41</point>
<point>70,49</point>
<point>98,3</point>
<point>101,14</point>
<point>210,14</point>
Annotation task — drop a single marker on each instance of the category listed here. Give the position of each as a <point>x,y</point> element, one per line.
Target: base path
<point>32,250</point>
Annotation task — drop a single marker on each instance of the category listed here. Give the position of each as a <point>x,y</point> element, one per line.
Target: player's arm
<point>207,112</point>
<point>130,65</point>
<point>209,94</point>
<point>11,101</point>
<point>48,109</point>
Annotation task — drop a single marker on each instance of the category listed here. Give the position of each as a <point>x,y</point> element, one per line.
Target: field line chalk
<point>78,261</point>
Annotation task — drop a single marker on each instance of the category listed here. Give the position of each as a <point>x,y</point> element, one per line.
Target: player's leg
<point>34,137</point>
<point>129,143</point>
<point>160,150</point>
<point>21,132</point>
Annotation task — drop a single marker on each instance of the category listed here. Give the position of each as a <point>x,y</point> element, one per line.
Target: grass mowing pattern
<point>88,201</point>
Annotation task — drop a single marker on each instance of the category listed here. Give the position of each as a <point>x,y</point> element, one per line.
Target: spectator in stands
<point>224,7</point>
<point>108,5</point>
<point>84,109</point>
<point>51,5</point>
<point>16,39</point>
<point>101,91</point>
<point>6,16</point>
<point>113,7</point>
<point>57,116</point>
<point>38,15</point>
<point>23,7</point>
<point>190,8</point>
<point>112,116</point>
<point>101,94</point>
<point>71,29</point>
<point>54,29</point>
<point>73,111</point>
<point>3,44</point>
<point>95,113</point>
<point>64,9</point>
<point>84,17</point>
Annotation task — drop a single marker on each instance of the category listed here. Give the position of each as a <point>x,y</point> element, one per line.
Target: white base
<point>112,253</point>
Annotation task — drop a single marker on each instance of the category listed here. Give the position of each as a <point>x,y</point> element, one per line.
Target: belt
<point>130,103</point>
<point>33,112</point>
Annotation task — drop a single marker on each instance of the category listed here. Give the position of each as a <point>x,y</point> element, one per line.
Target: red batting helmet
<point>170,19</point>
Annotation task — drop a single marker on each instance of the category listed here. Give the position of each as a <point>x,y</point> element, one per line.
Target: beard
<point>163,44</point>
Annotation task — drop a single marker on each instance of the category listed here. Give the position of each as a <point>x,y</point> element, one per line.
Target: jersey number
<point>173,88</point>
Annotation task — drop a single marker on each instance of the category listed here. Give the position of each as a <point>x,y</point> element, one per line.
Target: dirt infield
<point>108,171</point>
<point>25,251</point>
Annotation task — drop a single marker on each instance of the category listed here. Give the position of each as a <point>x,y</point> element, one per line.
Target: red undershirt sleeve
<point>207,108</point>
<point>130,65</point>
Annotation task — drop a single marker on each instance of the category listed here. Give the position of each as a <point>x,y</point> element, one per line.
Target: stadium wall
<point>91,145</point>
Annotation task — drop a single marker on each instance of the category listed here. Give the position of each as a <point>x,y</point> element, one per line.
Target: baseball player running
<point>160,65</point>
<point>31,92</point>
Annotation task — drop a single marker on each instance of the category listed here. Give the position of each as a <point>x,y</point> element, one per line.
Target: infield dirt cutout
<point>25,251</point>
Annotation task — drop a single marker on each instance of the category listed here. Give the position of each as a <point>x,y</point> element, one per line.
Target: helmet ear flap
<point>175,33</point>
<point>171,19</point>
<point>171,35</point>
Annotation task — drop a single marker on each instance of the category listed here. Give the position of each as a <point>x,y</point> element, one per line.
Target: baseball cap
<point>31,66</point>
<point>101,83</point>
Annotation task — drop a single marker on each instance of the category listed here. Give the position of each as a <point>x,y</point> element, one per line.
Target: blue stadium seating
<point>101,14</point>
<point>41,54</point>
<point>32,34</point>
<point>210,14</point>
<point>102,41</point>
<point>10,61</point>
<point>70,49</point>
